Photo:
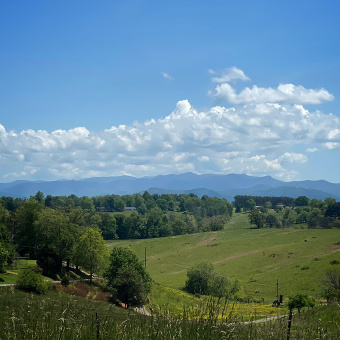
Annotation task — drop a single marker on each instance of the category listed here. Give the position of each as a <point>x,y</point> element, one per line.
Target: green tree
<point>49,261</point>
<point>119,204</point>
<point>127,277</point>
<point>39,196</point>
<point>271,221</point>
<point>53,231</point>
<point>256,217</point>
<point>299,301</point>
<point>3,258</point>
<point>26,237</point>
<point>301,201</point>
<point>250,204</point>
<point>90,252</point>
<point>268,205</point>
<point>130,288</point>
<point>199,277</point>
<point>108,226</point>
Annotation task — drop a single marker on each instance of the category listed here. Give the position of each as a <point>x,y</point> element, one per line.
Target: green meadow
<point>297,257</point>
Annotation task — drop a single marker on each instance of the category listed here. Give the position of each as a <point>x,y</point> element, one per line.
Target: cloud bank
<point>259,137</point>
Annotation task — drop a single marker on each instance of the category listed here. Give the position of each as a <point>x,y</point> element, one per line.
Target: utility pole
<point>145,258</point>
<point>277,289</point>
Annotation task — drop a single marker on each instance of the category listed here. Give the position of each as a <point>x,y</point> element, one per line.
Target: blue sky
<point>150,87</point>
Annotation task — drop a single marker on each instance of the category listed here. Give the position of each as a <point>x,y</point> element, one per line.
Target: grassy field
<point>297,257</point>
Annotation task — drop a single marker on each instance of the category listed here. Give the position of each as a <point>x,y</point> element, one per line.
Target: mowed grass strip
<point>11,275</point>
<point>298,258</point>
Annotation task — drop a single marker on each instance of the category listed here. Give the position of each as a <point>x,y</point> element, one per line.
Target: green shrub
<point>31,281</point>
<point>65,281</point>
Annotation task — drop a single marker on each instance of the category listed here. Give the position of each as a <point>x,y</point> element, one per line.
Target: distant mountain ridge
<point>223,186</point>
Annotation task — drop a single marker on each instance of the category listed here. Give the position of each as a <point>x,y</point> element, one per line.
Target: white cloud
<point>219,140</point>
<point>311,150</point>
<point>291,157</point>
<point>167,76</point>
<point>284,93</point>
<point>259,138</point>
<point>229,74</point>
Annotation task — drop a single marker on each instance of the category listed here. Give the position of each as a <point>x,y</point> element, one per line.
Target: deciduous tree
<point>90,252</point>
<point>257,218</point>
<point>127,278</point>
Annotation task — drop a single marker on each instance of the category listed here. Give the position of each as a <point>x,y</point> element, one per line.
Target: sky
<point>143,88</point>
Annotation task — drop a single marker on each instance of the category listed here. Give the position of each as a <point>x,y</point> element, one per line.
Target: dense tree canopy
<point>127,279</point>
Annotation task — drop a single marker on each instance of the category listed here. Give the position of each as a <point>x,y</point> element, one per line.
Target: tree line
<point>316,213</point>
<point>50,228</point>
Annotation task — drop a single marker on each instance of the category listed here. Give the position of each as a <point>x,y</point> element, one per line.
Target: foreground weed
<point>56,316</point>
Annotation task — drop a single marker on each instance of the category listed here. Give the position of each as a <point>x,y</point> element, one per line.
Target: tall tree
<point>91,252</point>
<point>3,258</point>
<point>54,234</point>
<point>257,218</point>
<point>26,216</point>
<point>126,276</point>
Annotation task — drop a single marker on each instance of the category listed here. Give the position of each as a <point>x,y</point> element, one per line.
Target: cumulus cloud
<point>167,76</point>
<point>252,139</point>
<point>259,137</point>
<point>284,93</point>
<point>229,74</point>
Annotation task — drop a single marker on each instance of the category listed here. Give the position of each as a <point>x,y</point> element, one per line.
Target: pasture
<point>297,257</point>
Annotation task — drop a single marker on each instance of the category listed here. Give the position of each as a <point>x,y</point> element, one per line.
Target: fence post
<point>97,324</point>
<point>289,323</point>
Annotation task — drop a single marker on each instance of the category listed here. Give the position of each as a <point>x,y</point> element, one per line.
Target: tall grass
<point>57,316</point>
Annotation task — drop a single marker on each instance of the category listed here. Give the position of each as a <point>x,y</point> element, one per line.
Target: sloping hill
<point>298,258</point>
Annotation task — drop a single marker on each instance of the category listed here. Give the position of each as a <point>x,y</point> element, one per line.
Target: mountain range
<point>223,186</point>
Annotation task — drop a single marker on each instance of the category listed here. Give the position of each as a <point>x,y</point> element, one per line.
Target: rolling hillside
<point>298,258</point>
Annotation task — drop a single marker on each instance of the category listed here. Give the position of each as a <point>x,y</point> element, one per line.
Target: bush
<point>65,281</point>
<point>31,281</point>
<point>204,281</point>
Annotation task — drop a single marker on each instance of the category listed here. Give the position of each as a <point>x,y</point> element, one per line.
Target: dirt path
<point>142,310</point>
<point>271,318</point>
<point>246,253</point>
<point>237,256</point>
<point>206,241</point>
